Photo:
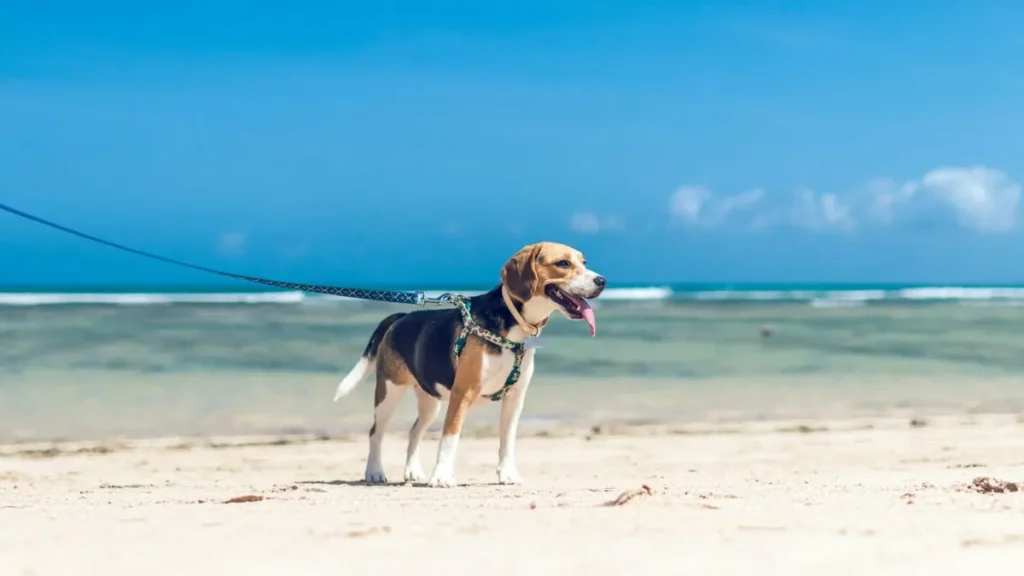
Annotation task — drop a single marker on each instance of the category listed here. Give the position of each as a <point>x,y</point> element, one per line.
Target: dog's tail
<point>365,364</point>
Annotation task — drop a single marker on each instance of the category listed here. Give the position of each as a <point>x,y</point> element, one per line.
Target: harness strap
<point>518,349</point>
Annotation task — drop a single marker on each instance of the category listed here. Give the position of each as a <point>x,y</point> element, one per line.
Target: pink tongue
<point>588,315</point>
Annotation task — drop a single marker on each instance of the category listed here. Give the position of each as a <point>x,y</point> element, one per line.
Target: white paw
<point>414,472</point>
<point>509,475</point>
<point>442,479</point>
<point>375,476</point>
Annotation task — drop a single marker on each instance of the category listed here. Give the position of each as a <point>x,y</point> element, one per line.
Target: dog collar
<point>530,329</point>
<point>469,326</point>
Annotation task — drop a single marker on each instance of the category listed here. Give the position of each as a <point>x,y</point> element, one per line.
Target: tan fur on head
<point>519,274</point>
<point>537,265</point>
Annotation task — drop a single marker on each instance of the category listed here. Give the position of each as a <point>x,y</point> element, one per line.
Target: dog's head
<point>549,276</point>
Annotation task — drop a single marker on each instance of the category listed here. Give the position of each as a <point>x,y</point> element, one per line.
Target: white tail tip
<point>353,378</point>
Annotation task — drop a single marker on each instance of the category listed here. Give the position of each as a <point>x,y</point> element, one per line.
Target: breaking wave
<point>817,297</point>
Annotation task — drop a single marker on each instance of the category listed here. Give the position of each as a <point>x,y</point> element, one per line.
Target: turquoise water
<point>157,362</point>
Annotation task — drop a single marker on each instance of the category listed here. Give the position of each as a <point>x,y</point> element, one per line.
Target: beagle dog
<point>415,350</point>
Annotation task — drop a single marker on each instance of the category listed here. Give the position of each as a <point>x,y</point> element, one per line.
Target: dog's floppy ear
<point>520,273</point>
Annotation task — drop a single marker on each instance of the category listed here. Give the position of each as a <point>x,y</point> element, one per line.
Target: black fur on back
<point>370,352</point>
<point>424,339</point>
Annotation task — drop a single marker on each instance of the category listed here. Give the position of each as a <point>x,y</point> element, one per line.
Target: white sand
<point>850,500</point>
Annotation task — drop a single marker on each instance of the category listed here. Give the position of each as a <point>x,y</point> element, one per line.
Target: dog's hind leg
<point>428,408</point>
<point>388,397</point>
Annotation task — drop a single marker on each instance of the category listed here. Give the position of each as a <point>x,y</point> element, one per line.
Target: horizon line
<point>171,287</point>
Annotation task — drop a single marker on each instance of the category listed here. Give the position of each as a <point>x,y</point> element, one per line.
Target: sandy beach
<point>866,496</point>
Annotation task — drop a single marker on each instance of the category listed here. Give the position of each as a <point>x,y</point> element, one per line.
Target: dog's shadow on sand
<point>363,484</point>
<point>337,483</point>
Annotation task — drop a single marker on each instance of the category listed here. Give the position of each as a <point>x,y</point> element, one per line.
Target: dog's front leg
<point>465,391</point>
<point>511,410</point>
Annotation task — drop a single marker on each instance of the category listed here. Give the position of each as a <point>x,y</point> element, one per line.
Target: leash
<point>417,298</point>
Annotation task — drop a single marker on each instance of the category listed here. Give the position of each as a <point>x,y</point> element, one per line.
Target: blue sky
<point>417,143</point>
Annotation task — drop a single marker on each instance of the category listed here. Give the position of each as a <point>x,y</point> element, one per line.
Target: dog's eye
<point>563,264</point>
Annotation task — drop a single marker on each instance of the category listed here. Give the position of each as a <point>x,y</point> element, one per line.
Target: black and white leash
<point>417,298</point>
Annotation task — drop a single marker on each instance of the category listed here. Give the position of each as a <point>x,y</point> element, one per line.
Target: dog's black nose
<point>600,281</point>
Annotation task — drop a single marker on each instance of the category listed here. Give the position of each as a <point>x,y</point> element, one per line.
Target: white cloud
<point>697,206</point>
<point>612,222</point>
<point>720,210</point>
<point>819,211</point>
<point>231,243</point>
<point>984,199</point>
<point>979,198</point>
<point>585,223</point>
<point>591,223</point>
<point>686,202</point>
<point>886,196</point>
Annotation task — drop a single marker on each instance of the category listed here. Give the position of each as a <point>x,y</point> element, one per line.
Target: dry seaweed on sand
<point>629,495</point>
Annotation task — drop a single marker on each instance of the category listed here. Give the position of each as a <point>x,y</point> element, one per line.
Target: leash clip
<point>446,298</point>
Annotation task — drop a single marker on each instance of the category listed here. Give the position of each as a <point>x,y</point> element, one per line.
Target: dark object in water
<point>766,331</point>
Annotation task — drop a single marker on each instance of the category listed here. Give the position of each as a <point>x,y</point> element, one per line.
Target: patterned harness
<point>518,349</point>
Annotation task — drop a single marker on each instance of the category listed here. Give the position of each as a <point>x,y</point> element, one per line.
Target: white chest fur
<point>494,372</point>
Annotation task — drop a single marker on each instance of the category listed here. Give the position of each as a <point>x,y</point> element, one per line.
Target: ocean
<point>142,363</point>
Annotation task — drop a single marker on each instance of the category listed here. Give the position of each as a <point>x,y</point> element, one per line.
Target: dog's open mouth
<point>575,307</point>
